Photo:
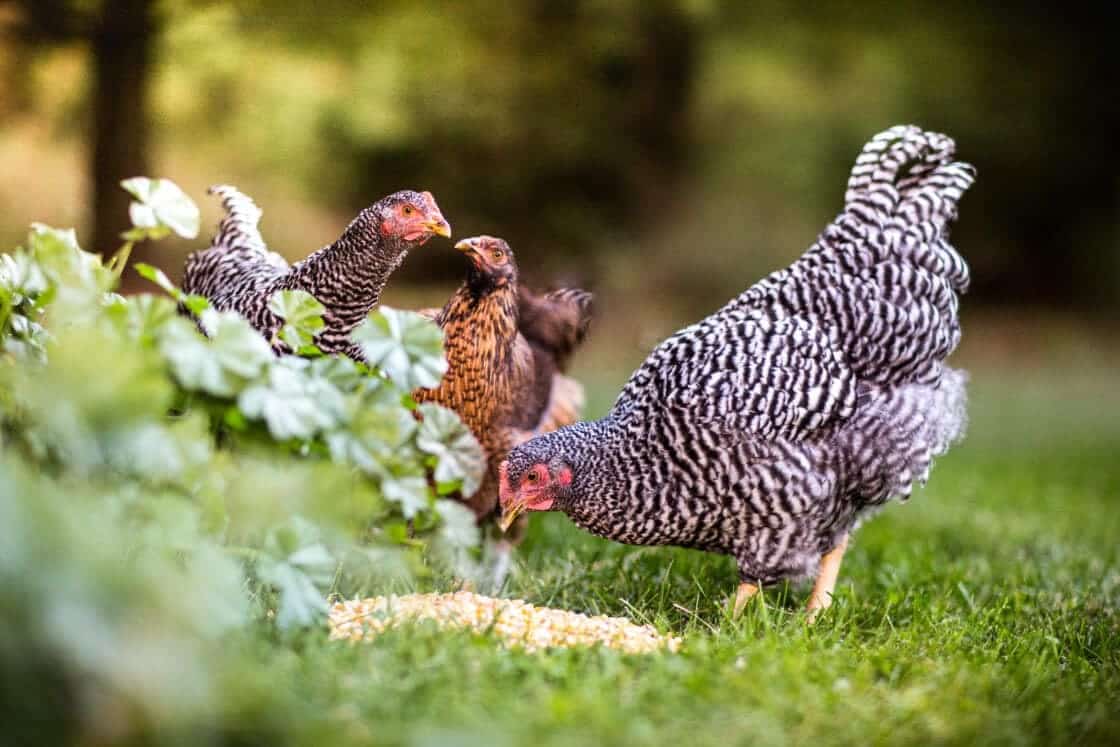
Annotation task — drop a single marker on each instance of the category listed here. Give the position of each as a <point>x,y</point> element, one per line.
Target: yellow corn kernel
<point>514,621</point>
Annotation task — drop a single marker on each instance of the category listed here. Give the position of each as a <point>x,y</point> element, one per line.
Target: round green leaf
<point>302,315</point>
<point>161,204</point>
<point>235,353</point>
<point>410,492</point>
<point>404,345</point>
<point>292,403</point>
<point>458,453</point>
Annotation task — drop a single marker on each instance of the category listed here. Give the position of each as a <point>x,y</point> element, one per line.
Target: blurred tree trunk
<point>659,118</point>
<point>121,35</point>
<point>121,48</point>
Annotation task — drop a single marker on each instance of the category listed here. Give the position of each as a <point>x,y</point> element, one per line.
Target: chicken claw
<point>742,596</point>
<point>821,598</point>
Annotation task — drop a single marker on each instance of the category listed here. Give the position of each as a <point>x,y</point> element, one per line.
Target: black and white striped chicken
<point>239,273</point>
<point>770,429</point>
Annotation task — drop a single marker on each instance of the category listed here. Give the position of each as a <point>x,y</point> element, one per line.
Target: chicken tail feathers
<point>906,185</point>
<point>883,278</point>
<point>236,251</point>
<point>556,321</point>
<point>239,228</point>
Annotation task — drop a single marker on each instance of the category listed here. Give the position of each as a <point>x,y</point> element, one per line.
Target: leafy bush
<point>162,489</point>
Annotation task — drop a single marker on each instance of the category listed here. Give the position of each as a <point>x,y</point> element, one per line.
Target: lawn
<point>983,611</point>
<point>155,588</point>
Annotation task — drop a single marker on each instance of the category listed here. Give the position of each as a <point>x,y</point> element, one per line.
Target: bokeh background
<point>664,153</point>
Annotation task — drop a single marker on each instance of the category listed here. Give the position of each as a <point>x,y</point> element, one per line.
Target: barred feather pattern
<point>773,427</point>
<point>239,273</point>
<point>240,226</point>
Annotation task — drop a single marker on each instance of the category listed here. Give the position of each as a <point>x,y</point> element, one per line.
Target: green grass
<point>983,611</point>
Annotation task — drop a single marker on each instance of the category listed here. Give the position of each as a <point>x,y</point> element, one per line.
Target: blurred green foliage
<point>172,506</point>
<point>689,145</point>
<point>203,490</point>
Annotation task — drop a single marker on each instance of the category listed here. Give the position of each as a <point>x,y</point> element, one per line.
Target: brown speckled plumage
<point>504,366</point>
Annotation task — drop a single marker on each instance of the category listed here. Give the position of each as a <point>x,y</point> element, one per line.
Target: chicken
<point>769,430</point>
<point>506,348</point>
<point>238,272</point>
<point>554,325</point>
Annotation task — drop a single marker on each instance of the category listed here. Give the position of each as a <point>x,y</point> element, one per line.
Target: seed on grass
<point>515,622</point>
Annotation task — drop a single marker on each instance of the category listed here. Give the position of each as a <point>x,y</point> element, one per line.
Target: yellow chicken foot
<point>742,596</point>
<point>821,598</point>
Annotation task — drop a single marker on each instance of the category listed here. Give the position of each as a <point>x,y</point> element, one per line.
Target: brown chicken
<point>506,349</point>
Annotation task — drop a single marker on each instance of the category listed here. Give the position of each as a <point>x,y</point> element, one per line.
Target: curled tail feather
<point>883,278</point>
<point>556,321</point>
<point>239,227</point>
<point>905,186</point>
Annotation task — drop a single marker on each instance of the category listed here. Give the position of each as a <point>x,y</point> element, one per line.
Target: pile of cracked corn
<point>516,622</point>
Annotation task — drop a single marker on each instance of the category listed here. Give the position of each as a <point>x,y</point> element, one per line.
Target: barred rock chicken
<point>238,272</point>
<point>506,349</point>
<point>771,429</point>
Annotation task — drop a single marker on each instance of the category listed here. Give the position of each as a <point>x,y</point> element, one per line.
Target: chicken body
<point>504,363</point>
<point>238,272</point>
<point>770,429</point>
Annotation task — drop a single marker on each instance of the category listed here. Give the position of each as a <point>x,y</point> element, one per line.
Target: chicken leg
<point>742,596</point>
<point>821,598</point>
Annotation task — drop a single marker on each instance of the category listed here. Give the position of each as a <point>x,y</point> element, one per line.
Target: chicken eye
<point>408,210</point>
<point>533,476</point>
<point>497,254</point>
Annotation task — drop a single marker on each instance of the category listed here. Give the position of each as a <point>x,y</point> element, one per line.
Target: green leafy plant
<point>159,209</point>
<point>303,319</point>
<point>407,347</point>
<point>172,468</point>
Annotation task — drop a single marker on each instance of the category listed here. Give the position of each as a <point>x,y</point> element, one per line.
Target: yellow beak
<point>439,227</point>
<point>509,515</point>
<point>465,245</point>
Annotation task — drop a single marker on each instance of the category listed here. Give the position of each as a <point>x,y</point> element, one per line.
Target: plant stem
<point>119,260</point>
